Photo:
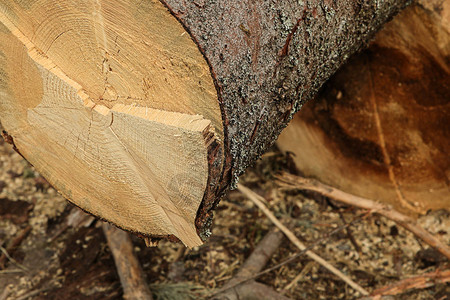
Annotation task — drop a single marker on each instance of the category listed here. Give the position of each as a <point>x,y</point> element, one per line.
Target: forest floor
<point>58,252</point>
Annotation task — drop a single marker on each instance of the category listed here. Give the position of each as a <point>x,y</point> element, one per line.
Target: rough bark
<point>98,68</point>
<point>267,59</point>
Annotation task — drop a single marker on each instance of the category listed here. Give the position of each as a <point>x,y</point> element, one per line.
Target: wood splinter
<point>149,242</point>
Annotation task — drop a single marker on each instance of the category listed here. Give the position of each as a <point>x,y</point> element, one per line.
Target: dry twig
<point>254,290</point>
<point>13,245</point>
<point>295,256</point>
<point>12,260</point>
<point>239,286</point>
<point>33,293</point>
<point>130,272</point>
<point>255,198</point>
<point>350,234</point>
<point>408,223</point>
<point>298,254</point>
<point>299,276</point>
<point>416,282</point>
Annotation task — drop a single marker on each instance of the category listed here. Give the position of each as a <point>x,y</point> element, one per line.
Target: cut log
<point>380,127</point>
<point>143,113</point>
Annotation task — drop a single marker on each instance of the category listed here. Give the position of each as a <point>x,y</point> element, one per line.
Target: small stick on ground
<point>130,272</point>
<point>260,255</point>
<point>300,275</point>
<point>416,282</point>
<point>12,260</point>
<point>254,264</point>
<point>258,200</point>
<point>33,293</point>
<point>408,223</point>
<point>254,290</point>
<point>12,246</point>
<point>350,234</point>
<point>4,294</point>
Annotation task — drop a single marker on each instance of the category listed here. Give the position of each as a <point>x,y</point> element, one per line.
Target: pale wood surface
<point>115,105</point>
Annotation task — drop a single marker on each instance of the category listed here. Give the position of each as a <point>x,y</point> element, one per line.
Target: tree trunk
<point>144,112</point>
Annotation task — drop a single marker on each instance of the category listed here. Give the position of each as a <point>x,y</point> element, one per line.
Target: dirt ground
<point>57,252</point>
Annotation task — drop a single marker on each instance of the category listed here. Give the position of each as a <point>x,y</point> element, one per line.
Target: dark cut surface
<point>268,57</point>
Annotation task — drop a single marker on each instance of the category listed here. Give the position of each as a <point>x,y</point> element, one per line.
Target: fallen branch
<point>255,198</point>
<point>260,256</point>
<point>416,282</point>
<point>130,272</point>
<point>408,223</point>
<point>236,288</point>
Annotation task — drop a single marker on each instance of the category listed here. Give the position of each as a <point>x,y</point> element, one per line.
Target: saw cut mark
<point>39,57</point>
<point>111,101</point>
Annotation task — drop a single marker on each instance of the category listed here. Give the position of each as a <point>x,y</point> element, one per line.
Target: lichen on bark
<point>268,57</point>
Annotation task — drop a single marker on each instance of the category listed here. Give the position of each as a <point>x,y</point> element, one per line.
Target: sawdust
<point>65,261</point>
